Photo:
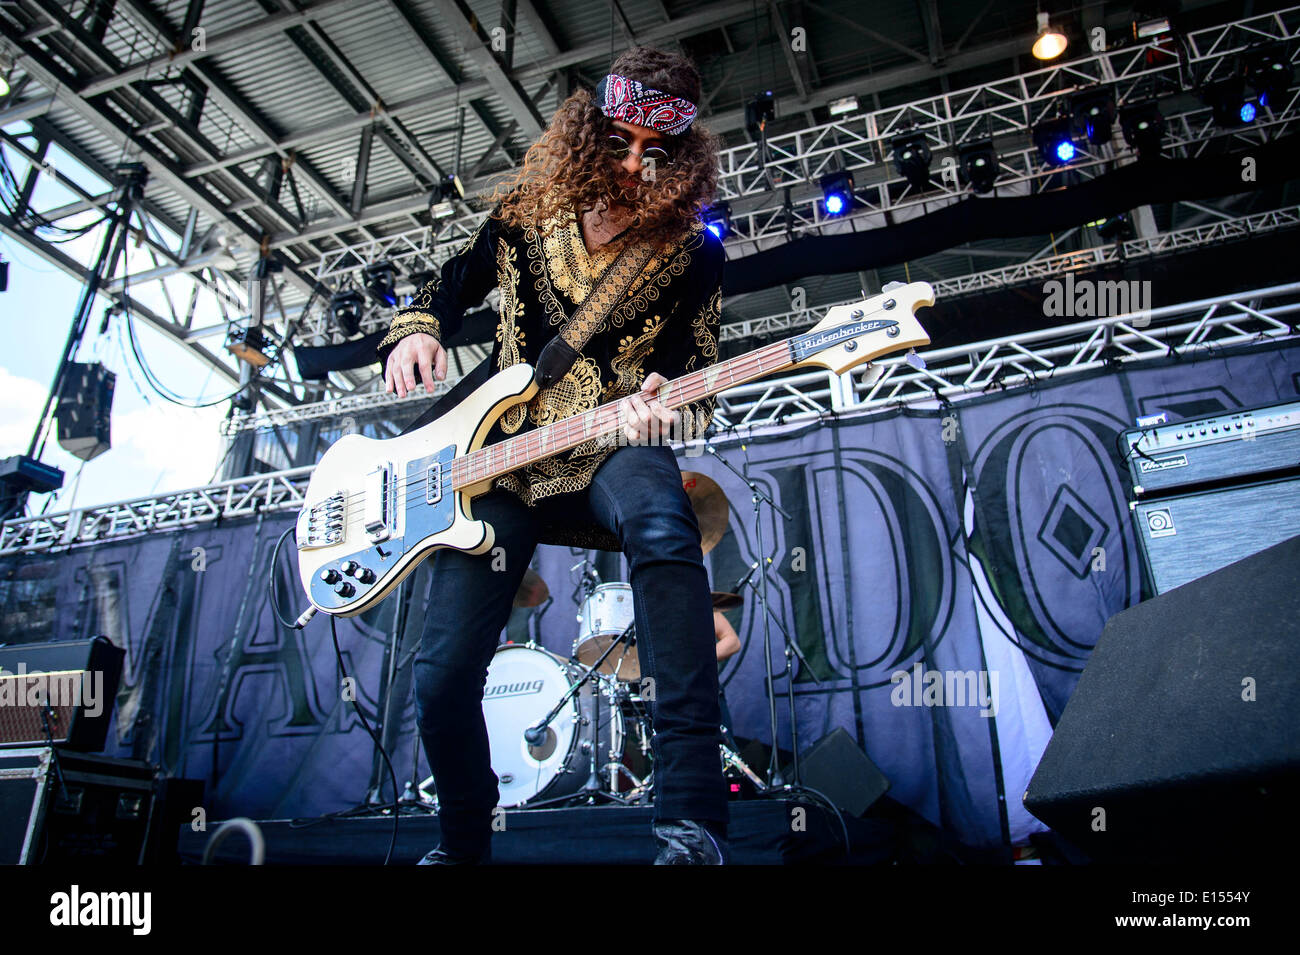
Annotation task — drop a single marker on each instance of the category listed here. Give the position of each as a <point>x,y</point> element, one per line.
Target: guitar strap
<point>562,351</point>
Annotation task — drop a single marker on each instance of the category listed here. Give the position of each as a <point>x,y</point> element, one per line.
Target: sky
<point>157,446</point>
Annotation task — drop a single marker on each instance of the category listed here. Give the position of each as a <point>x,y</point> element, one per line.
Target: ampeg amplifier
<point>1235,445</point>
<point>58,693</point>
<point>1190,535</point>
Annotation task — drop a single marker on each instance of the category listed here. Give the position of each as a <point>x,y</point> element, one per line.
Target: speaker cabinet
<point>1179,743</point>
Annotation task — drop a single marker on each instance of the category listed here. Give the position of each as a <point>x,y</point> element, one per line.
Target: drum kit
<point>579,729</point>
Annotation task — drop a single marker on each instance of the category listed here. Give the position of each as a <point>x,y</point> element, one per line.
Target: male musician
<point>598,236</point>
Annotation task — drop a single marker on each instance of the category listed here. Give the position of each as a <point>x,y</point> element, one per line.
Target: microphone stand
<point>759,496</point>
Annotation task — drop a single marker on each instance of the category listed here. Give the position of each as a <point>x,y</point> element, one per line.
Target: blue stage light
<point>1065,151</point>
<point>837,192</point>
<point>1247,112</point>
<point>717,219</point>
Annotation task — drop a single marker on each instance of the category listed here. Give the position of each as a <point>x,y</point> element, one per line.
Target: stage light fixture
<point>1143,127</point>
<point>248,344</point>
<point>837,192</point>
<point>912,157</point>
<point>348,307</point>
<point>1094,114</point>
<point>717,219</point>
<point>1229,103</point>
<point>381,282</point>
<point>843,106</point>
<point>4,86</point>
<point>1117,227</point>
<point>1054,141</point>
<point>977,165</point>
<point>1050,42</point>
<point>442,201</point>
<point>758,113</point>
<point>1270,73</point>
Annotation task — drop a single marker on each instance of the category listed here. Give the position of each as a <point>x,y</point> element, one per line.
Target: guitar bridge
<point>321,525</point>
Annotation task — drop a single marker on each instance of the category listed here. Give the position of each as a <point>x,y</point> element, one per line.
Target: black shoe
<point>686,842</point>
<point>440,856</point>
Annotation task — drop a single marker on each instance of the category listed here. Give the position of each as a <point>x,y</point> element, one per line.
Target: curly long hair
<point>569,168</point>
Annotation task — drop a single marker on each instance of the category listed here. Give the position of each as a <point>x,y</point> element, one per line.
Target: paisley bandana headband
<point>627,100</point>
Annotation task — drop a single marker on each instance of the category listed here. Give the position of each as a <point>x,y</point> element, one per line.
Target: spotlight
<point>442,201</point>
<point>248,344</point>
<point>1054,143</point>
<point>912,157</point>
<point>843,106</point>
<point>978,165</point>
<point>1143,127</point>
<point>1231,107</point>
<point>1116,227</point>
<point>4,86</point>
<point>1050,42</point>
<point>381,279</point>
<point>717,219</point>
<point>1270,73</point>
<point>837,192</point>
<point>758,112</point>
<point>1094,114</point>
<point>347,308</point>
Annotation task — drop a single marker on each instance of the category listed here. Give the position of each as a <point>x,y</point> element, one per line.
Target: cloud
<point>21,400</point>
<point>172,447</point>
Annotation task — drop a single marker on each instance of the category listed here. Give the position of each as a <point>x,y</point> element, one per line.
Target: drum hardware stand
<point>535,624</point>
<point>536,734</point>
<point>759,497</point>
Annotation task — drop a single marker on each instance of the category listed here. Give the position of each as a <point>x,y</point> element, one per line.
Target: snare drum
<point>523,685</point>
<point>604,616</point>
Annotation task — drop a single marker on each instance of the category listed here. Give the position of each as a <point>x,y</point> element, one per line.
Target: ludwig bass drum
<point>523,685</point>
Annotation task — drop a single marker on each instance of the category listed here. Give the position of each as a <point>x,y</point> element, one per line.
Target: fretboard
<point>497,459</point>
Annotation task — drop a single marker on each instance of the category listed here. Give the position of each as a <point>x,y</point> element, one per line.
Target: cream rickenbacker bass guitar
<point>375,508</point>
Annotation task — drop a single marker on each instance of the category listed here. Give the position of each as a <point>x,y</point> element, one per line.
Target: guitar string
<point>413,489</point>
<point>490,458</point>
<point>488,455</point>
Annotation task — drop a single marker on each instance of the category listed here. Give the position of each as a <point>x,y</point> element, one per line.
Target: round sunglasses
<point>620,148</point>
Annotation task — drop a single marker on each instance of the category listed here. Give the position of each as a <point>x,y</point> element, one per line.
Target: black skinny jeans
<point>637,494</point>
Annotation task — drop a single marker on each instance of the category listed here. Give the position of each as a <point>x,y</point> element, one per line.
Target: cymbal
<point>725,601</point>
<point>532,591</point>
<point>710,506</point>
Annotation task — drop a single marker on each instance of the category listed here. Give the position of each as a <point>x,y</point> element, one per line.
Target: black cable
<point>378,745</point>
<point>818,797</point>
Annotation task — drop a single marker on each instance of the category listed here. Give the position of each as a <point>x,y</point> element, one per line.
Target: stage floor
<point>774,831</point>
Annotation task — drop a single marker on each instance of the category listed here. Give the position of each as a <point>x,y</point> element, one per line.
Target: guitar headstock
<point>853,334</point>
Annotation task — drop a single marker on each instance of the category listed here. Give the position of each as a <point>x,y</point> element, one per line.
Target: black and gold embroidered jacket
<point>667,322</point>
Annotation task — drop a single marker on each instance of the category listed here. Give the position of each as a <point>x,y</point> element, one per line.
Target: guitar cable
<point>338,654</point>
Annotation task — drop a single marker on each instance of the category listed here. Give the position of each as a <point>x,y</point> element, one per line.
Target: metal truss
<point>1033,270</point>
<point>951,374</point>
<point>242,497</point>
<point>1003,109</point>
<point>965,371</point>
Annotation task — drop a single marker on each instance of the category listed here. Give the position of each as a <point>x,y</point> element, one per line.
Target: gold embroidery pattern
<point>632,352</point>
<point>555,313</point>
<point>577,391</point>
<point>556,475</point>
<point>509,334</point>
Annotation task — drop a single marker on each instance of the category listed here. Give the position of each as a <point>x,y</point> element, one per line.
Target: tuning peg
<point>915,360</point>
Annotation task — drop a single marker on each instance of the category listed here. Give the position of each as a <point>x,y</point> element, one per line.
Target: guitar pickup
<point>433,484</point>
<point>380,497</point>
